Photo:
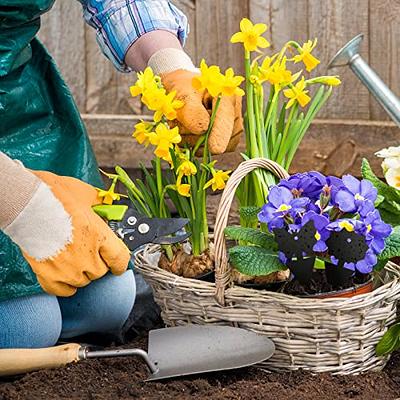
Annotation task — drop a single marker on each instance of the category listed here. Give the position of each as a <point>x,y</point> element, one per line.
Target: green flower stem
<point>283,148</point>
<point>160,187</point>
<point>250,109</point>
<point>206,154</point>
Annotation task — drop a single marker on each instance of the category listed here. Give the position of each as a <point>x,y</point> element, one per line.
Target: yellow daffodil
<point>183,189</point>
<point>167,107</point>
<point>210,79</point>
<point>250,35</point>
<point>154,98</point>
<point>326,80</point>
<point>297,93</point>
<point>305,55</point>
<point>218,181</point>
<point>187,168</point>
<point>164,138</point>
<point>108,196</point>
<point>279,75</point>
<point>141,133</point>
<point>146,80</point>
<point>231,83</point>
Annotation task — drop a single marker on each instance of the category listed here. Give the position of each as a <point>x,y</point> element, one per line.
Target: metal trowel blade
<point>195,349</point>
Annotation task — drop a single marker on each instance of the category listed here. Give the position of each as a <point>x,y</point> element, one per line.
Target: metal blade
<point>171,239</point>
<point>168,226</point>
<point>195,349</point>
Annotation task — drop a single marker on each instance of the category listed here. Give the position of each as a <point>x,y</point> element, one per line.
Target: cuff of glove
<point>170,59</point>
<point>43,228</point>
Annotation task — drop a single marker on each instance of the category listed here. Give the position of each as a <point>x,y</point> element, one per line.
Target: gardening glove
<point>50,218</point>
<point>177,72</point>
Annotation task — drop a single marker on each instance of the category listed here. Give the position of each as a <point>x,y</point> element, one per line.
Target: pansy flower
<point>375,231</point>
<point>280,204</point>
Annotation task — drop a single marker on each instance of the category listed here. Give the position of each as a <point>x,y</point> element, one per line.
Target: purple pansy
<point>281,203</point>
<point>364,266</point>
<point>320,224</point>
<point>376,231</point>
<point>307,184</point>
<point>356,196</point>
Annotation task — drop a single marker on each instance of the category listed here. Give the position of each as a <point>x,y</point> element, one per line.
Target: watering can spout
<point>349,55</point>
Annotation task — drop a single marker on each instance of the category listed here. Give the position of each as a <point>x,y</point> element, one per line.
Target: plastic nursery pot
<point>302,269</point>
<point>208,276</point>
<point>337,275</point>
<point>363,288</point>
<point>271,287</point>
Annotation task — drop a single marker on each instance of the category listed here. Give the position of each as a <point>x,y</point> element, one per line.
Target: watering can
<point>349,55</point>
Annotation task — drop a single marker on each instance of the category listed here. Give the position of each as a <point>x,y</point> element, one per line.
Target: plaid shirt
<point>119,23</point>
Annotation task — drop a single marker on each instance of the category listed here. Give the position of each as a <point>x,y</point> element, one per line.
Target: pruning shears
<point>137,230</point>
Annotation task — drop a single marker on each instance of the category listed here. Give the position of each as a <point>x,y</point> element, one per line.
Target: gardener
<point>51,243</point>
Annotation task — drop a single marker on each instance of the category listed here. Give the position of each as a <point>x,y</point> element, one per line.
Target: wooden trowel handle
<point>19,361</point>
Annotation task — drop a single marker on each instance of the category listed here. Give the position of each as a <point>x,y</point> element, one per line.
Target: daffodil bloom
<point>218,180</point>
<point>167,107</point>
<point>183,189</point>
<point>146,80</point>
<point>154,98</point>
<point>187,168</point>
<point>210,79</point>
<point>325,80</point>
<point>305,55</point>
<point>164,138</point>
<point>250,35</point>
<point>297,93</point>
<point>109,195</point>
<point>231,83</point>
<point>279,75</point>
<point>141,133</point>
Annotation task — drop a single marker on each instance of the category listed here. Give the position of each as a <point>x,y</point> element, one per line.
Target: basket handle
<point>222,268</point>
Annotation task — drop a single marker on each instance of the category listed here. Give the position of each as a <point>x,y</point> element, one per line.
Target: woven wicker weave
<point>336,335</point>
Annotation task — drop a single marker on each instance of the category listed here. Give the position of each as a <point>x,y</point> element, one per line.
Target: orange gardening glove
<point>194,117</point>
<point>82,247</point>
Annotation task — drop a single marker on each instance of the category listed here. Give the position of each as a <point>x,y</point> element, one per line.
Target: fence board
<point>215,24</point>
<point>384,50</point>
<point>334,22</point>
<point>188,7</point>
<point>62,32</point>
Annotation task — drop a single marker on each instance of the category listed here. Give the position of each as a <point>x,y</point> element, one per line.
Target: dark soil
<point>319,284</point>
<point>124,379</point>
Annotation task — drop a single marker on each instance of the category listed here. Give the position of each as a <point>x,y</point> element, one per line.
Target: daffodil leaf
<point>255,261</point>
<point>390,341</point>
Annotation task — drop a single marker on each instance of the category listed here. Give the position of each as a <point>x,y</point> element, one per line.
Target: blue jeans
<point>40,320</point>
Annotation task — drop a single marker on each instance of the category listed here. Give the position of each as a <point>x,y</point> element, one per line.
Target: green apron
<point>39,122</point>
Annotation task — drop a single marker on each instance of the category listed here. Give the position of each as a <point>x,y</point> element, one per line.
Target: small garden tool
<point>136,230</point>
<point>172,352</point>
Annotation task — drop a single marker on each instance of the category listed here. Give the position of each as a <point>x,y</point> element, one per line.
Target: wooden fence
<point>351,125</point>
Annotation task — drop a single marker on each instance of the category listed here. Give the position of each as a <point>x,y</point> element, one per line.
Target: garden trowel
<point>172,352</point>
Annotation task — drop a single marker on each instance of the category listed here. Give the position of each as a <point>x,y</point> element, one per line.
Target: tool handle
<point>19,361</point>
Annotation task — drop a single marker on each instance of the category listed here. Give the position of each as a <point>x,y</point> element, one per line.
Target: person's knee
<point>101,307</point>
<point>30,322</point>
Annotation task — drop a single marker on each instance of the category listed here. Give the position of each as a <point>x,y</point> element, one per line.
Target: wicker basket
<point>336,335</point>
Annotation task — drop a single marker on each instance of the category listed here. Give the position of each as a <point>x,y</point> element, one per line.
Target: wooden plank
<point>107,88</point>
<point>216,21</point>
<point>335,22</point>
<point>286,20</point>
<point>384,50</point>
<point>341,152</point>
<point>188,7</point>
<point>63,33</point>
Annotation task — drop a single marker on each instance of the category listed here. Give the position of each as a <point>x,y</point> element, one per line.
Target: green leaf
<point>389,217</point>
<point>251,235</point>
<point>255,261</point>
<point>388,192</point>
<point>390,341</point>
<point>249,214</point>
<point>392,245</point>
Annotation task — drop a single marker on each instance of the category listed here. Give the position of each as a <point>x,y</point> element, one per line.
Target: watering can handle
<point>19,361</point>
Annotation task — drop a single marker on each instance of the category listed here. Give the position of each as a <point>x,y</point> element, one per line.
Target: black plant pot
<point>302,269</point>
<point>338,276</point>
<point>208,276</point>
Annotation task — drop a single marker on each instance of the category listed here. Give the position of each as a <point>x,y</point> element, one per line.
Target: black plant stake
<point>296,245</point>
<point>347,247</point>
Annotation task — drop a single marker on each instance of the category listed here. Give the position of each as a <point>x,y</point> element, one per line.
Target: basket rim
<point>391,268</point>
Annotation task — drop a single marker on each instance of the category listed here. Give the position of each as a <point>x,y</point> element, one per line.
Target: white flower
<point>390,163</point>
<point>393,177</point>
<point>389,152</point>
